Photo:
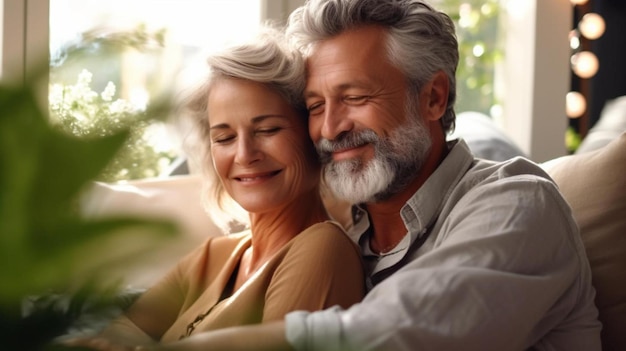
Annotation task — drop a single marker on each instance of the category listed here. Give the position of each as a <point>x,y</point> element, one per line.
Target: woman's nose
<point>247,151</point>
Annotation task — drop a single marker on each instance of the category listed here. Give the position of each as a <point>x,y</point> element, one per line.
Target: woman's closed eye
<point>228,138</point>
<point>268,131</point>
<point>223,139</point>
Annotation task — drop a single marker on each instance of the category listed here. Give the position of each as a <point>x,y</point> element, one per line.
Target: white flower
<point>108,92</point>
<point>84,78</point>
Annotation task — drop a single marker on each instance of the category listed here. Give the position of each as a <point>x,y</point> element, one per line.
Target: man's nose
<point>336,121</point>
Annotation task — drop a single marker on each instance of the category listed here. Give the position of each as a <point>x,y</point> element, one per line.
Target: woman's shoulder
<point>227,242</point>
<point>217,248</point>
<point>230,238</point>
<point>328,235</point>
<point>329,229</point>
<point>208,259</point>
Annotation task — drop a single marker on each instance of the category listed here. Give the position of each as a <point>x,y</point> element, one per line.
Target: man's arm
<point>258,337</point>
<point>507,269</point>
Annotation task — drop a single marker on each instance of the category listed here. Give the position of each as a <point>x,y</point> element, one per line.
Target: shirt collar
<point>423,208</point>
<point>420,211</point>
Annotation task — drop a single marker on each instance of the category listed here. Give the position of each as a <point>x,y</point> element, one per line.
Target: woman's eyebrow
<point>255,120</point>
<point>219,126</point>
<point>261,118</point>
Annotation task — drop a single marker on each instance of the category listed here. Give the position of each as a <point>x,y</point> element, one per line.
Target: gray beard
<point>397,161</point>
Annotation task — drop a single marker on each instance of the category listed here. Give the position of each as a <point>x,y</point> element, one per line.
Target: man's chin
<point>344,169</point>
<point>355,187</point>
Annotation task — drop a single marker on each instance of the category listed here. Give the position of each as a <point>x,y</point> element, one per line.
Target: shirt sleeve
<point>506,268</point>
<point>123,330</point>
<point>321,269</point>
<point>157,308</point>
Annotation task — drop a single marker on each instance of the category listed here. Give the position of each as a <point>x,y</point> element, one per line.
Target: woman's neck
<point>273,229</point>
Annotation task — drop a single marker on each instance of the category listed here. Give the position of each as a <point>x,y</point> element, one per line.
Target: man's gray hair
<point>421,40</point>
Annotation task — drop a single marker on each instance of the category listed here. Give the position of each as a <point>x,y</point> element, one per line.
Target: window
<point>535,70</point>
<point>480,39</point>
<point>110,58</point>
<point>514,66</point>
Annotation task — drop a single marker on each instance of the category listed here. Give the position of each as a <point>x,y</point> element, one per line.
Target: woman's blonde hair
<point>267,58</point>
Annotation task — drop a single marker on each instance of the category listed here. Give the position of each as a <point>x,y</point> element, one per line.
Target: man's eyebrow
<point>255,120</point>
<point>310,94</point>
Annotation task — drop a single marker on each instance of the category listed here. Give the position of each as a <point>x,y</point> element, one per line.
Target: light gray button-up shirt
<point>492,260</point>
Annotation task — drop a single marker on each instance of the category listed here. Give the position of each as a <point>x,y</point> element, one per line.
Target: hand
<point>268,336</point>
<point>101,344</point>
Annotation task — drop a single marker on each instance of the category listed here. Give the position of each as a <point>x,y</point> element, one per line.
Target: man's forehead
<point>338,58</point>
<point>351,44</point>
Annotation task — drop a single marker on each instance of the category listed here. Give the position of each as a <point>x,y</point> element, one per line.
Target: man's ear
<point>434,96</point>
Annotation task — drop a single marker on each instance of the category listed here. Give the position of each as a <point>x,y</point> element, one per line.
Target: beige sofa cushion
<point>594,184</point>
<point>176,199</point>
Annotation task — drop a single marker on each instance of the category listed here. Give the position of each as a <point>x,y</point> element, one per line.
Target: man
<point>462,254</point>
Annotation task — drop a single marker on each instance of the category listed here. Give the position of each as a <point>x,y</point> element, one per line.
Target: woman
<point>293,257</point>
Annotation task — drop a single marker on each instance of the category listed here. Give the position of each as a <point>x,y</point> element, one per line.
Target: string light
<point>574,39</point>
<point>585,64</point>
<point>575,104</point>
<point>592,26</point>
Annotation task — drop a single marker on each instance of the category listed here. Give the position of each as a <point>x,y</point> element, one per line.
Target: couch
<point>611,124</point>
<point>593,182</point>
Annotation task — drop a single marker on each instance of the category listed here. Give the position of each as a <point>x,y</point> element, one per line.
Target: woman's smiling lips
<point>255,177</point>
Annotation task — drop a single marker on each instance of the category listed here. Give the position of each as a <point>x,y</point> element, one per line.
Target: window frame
<point>534,97</point>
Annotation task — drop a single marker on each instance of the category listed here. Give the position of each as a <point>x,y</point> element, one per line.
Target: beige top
<point>319,268</point>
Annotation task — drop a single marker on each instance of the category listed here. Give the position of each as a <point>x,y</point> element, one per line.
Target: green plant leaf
<point>46,248</point>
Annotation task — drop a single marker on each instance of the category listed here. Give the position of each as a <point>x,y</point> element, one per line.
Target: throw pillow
<point>594,184</point>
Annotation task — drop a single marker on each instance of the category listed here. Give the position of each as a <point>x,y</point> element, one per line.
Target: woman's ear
<point>434,96</point>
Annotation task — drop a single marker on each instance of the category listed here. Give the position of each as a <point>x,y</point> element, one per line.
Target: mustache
<point>346,140</point>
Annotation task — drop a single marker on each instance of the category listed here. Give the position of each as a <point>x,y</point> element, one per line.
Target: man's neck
<point>387,223</point>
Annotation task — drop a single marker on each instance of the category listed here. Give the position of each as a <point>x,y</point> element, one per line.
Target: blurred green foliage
<point>572,139</point>
<point>480,49</point>
<point>56,265</point>
<point>80,110</point>
<point>47,248</point>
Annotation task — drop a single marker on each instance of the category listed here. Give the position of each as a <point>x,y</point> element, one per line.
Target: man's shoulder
<point>507,183</point>
<point>461,173</point>
<point>517,172</point>
<point>514,167</point>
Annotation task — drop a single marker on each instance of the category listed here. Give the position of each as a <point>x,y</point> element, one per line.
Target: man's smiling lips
<point>254,177</point>
<point>348,153</point>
